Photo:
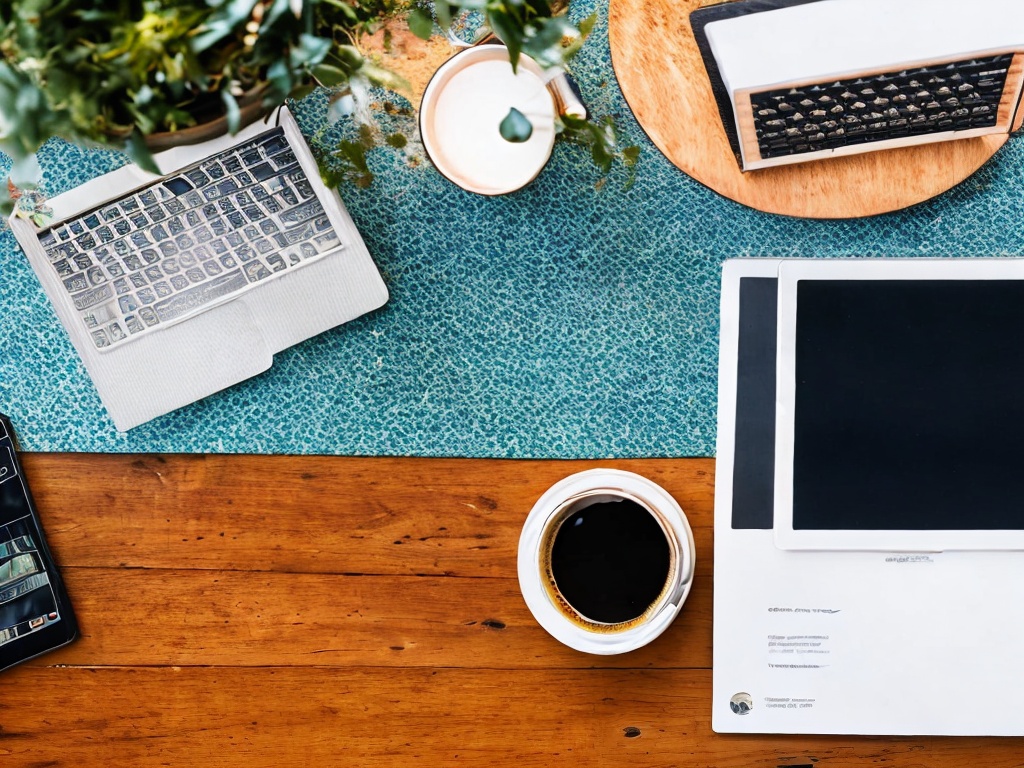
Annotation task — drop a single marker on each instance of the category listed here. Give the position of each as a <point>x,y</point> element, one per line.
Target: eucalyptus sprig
<point>539,28</point>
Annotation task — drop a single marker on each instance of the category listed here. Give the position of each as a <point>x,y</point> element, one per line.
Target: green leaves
<point>233,113</point>
<point>421,24</point>
<point>515,128</point>
<point>601,140</point>
<point>226,17</point>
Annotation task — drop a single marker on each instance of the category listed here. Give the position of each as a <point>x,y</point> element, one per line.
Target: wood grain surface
<point>662,76</point>
<point>267,611</point>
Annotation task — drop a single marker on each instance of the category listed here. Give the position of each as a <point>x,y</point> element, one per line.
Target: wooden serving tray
<point>662,75</point>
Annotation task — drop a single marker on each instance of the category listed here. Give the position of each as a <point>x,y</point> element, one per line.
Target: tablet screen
<point>908,410</point>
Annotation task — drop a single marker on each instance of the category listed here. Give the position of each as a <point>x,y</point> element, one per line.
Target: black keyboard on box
<point>960,96</point>
<point>182,243</point>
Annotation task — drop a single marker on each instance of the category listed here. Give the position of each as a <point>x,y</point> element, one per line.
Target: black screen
<point>909,405</point>
<point>753,479</point>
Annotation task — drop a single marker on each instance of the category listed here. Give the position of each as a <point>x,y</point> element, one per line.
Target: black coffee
<point>610,561</point>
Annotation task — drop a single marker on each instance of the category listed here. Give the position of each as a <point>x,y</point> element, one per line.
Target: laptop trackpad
<point>181,364</point>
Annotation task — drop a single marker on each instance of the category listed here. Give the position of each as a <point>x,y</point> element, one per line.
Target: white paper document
<point>913,641</point>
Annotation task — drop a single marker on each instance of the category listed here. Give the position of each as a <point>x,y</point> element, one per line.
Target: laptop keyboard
<point>960,96</point>
<point>181,244</point>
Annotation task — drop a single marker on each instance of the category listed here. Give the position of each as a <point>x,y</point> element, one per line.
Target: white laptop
<point>174,287</point>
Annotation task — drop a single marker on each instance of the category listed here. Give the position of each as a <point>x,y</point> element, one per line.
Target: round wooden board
<point>662,76</point>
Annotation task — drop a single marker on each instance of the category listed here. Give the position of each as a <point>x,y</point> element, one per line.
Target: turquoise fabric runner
<point>565,320</point>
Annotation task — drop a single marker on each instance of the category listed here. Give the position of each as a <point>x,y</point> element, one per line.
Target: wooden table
<point>311,611</point>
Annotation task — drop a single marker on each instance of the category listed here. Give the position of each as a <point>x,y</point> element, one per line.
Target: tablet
<point>900,405</point>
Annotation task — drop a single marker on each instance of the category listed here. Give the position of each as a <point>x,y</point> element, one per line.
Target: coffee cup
<point>606,560</point>
<point>464,105</point>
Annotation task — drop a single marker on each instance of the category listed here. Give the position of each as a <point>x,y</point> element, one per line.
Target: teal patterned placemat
<point>565,320</point>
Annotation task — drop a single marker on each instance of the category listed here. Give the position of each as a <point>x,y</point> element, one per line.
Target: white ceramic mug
<point>462,109</point>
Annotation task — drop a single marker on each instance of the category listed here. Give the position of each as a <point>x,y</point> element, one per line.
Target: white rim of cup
<point>464,58</point>
<point>531,583</point>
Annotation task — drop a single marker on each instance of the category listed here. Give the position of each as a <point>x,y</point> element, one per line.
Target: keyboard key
<point>133,324</point>
<point>255,271</point>
<point>195,275</point>
<point>170,265</point>
<point>77,282</point>
<point>138,280</point>
<point>121,286</point>
<point>148,295</point>
<point>96,276</point>
<point>149,256</point>
<point>274,144</point>
<point>178,186</point>
<point>148,316</point>
<point>99,338</point>
<point>127,304</point>
<point>283,159</point>
<point>147,198</point>
<point>198,296</point>
<point>93,297</point>
<point>82,261</point>
<point>301,213</point>
<point>197,177</point>
<point>116,332</point>
<point>179,282</point>
<point>133,262</point>
<point>163,289</point>
<point>294,235</point>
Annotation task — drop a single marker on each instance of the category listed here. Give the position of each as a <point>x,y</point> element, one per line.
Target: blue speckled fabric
<point>560,321</point>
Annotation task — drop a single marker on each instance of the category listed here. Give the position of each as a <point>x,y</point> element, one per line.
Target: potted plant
<point>133,74</point>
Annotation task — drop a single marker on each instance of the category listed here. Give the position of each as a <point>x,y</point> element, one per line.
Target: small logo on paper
<point>741,704</point>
